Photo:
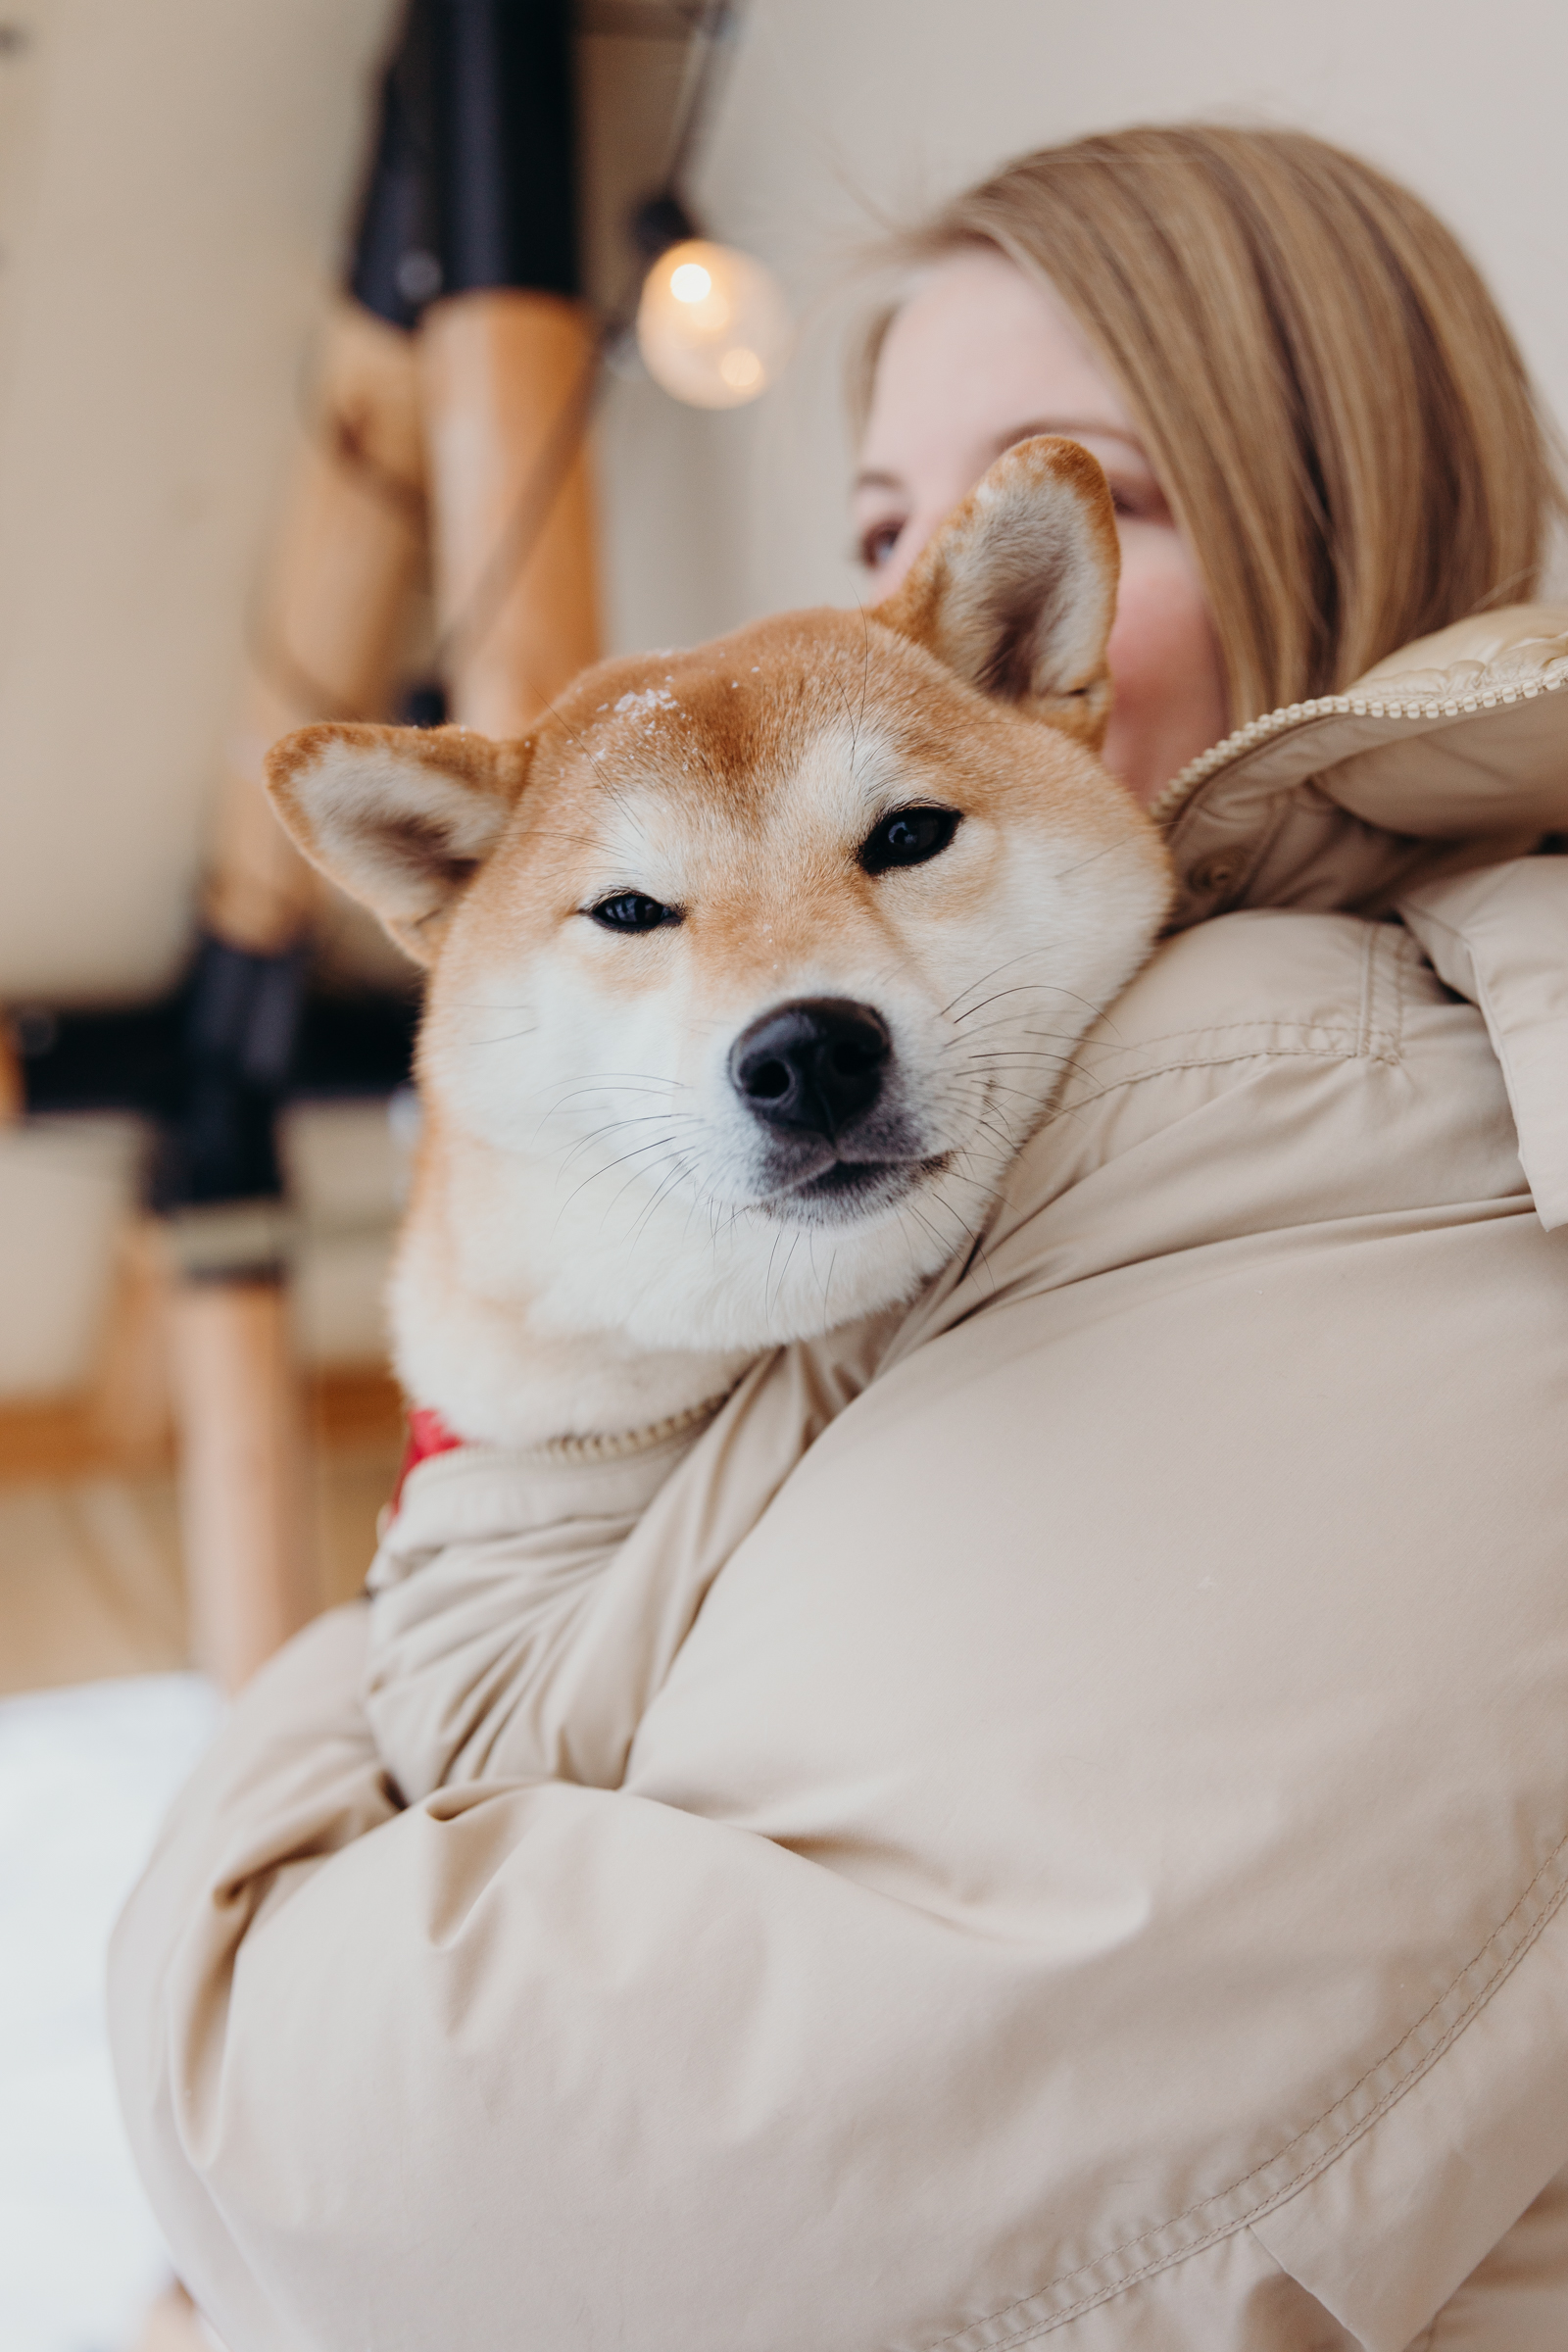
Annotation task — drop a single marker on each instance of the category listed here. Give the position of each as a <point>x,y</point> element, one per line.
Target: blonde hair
<point>1328,394</point>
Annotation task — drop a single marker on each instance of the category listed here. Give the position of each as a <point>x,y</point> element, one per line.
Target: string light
<point>713,324</point>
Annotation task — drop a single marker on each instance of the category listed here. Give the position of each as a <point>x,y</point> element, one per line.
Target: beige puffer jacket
<point>1048,1816</point>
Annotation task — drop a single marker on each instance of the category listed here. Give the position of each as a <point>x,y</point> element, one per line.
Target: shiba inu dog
<point>749,970</point>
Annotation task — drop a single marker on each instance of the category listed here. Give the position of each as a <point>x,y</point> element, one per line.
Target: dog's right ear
<point>400,818</point>
<point>1016,592</point>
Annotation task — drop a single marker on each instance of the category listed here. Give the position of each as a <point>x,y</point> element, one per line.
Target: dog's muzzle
<point>818,1077</point>
<point>813,1068</point>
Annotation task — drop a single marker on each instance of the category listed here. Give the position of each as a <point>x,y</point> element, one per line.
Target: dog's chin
<point>850,1192</point>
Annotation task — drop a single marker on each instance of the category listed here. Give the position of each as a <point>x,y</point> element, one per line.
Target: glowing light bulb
<point>713,324</point>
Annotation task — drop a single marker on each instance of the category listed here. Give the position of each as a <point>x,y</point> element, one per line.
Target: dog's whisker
<point>1008,1142</point>
<point>1013,1026</point>
<point>924,1221</point>
<point>613,1127</point>
<point>614,1086</point>
<point>658,1144</point>
<point>618,1082</point>
<point>1004,966</point>
<point>486,1004</point>
<point>783,1274</point>
<point>1110,849</point>
<point>660,1186</point>
<point>767,1274</point>
<point>1019,987</point>
<point>680,1168</point>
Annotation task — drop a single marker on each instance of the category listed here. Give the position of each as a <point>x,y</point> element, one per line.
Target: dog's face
<point>751,971</point>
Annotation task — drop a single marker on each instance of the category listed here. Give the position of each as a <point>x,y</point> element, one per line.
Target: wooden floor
<point>90,1575</point>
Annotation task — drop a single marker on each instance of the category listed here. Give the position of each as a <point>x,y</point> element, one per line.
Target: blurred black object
<point>658,222</point>
<point>212,1061</point>
<point>242,1018</point>
<point>424,704</point>
<point>474,177</point>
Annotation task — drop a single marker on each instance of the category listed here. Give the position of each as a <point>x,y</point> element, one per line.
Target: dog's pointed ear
<point>1017,591</point>
<point>400,818</point>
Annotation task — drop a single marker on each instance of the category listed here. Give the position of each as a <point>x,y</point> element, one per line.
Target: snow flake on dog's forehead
<point>645,703</point>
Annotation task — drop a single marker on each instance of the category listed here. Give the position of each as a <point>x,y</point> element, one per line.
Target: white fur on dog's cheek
<point>535,1058</point>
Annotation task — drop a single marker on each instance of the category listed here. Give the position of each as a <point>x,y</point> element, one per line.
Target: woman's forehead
<point>982,356</point>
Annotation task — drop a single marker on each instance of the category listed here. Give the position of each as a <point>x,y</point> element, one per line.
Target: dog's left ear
<point>1017,590</point>
<point>401,818</point>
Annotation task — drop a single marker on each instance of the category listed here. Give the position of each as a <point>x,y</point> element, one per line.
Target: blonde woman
<point>1079,1852</point>
<point>1316,426</point>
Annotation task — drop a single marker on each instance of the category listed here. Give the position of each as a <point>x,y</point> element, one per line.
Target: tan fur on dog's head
<point>751,968</point>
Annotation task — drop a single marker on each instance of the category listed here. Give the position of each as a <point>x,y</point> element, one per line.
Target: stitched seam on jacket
<point>1172,1037</point>
<point>1369,984</point>
<point>1404,952</point>
<point>1339,1043</point>
<point>1050,2321</point>
<point>1385,946</point>
<point>1206,1062</point>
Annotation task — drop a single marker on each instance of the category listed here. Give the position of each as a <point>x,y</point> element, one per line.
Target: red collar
<point>428,1434</point>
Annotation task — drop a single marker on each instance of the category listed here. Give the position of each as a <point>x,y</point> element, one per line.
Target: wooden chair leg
<point>506,378</point>
<point>242,1474</point>
<point>334,618</point>
<point>130,1406</point>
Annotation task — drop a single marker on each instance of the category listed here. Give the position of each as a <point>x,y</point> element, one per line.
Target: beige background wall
<point>173,181</point>
<point>840,107</point>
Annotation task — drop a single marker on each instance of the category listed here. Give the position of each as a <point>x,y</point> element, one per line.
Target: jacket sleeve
<point>475,2072</point>
<point>1517,2299</point>
<point>525,1607</point>
<point>494,1585</point>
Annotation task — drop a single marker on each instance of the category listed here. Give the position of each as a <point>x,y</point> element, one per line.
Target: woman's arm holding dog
<point>450,2075</point>
<point>526,1607</point>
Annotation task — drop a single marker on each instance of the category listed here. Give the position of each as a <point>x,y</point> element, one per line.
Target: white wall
<point>838,107</point>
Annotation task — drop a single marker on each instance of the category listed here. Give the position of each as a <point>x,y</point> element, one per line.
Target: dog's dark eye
<point>633,910</point>
<point>908,837</point>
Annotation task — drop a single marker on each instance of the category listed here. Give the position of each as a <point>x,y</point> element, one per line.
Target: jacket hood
<point>1452,753</point>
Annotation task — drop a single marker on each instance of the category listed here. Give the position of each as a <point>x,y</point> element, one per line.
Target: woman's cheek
<point>1164,664</point>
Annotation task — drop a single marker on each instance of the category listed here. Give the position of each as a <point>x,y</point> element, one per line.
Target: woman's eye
<point>633,910</point>
<point>877,544</point>
<point>908,837</point>
<point>1138,500</point>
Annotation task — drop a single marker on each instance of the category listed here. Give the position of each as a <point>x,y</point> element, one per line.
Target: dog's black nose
<point>815,1065</point>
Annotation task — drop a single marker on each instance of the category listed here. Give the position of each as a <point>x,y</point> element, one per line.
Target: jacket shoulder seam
<point>1345,1050</point>
<point>1391,952</point>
